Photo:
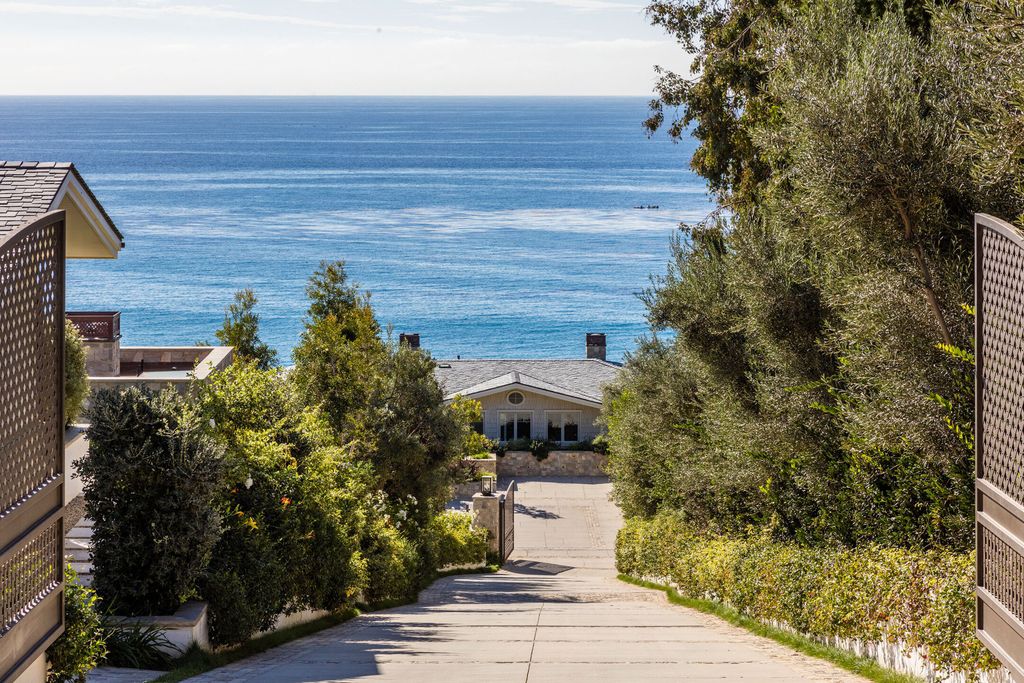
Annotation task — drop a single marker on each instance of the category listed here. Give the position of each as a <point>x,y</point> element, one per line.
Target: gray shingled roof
<point>28,188</point>
<point>577,377</point>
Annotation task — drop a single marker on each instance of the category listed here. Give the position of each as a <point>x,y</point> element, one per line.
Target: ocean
<point>493,227</point>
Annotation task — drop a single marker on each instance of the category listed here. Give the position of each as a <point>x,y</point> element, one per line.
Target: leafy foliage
<point>150,479</point>
<point>468,412</point>
<point>241,330</point>
<point>82,646</point>
<point>268,491</point>
<point>340,350</point>
<point>914,599</point>
<point>291,505</point>
<point>814,381</point>
<point>451,539</point>
<point>76,377</point>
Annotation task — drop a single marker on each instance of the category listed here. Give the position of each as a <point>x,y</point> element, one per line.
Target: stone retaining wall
<point>557,464</point>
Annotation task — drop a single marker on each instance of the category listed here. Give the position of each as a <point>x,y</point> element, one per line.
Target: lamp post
<point>487,485</point>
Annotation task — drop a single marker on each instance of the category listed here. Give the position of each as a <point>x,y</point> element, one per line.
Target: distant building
<point>555,400</point>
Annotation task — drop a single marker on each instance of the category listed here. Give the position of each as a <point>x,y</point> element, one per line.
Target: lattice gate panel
<point>999,415</point>
<point>31,441</point>
<point>29,360</point>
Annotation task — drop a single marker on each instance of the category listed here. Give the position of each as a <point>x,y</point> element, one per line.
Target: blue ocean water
<point>494,227</point>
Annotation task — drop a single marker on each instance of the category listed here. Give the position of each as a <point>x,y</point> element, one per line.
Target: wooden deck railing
<point>97,325</point>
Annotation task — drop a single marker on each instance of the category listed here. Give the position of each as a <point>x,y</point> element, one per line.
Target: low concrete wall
<point>188,626</point>
<point>557,464</point>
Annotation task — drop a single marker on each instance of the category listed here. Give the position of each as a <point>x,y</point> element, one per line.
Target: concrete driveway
<point>555,613</point>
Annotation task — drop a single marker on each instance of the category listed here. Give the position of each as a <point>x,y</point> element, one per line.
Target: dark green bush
<point>76,378</point>
<point>81,647</point>
<point>246,584</point>
<point>540,449</point>
<point>920,599</point>
<point>151,478</point>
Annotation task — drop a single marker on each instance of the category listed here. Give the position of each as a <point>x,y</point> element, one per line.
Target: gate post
<point>486,516</point>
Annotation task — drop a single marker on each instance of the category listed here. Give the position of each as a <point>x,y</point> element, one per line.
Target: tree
<point>407,432</point>
<point>808,385</point>
<point>241,330</point>
<point>340,350</point>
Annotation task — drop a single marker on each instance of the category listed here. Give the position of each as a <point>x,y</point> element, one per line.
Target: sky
<point>331,47</point>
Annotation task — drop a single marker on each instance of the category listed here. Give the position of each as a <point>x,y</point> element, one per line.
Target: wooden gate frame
<point>32,262</point>
<point>507,522</point>
<point>999,438</point>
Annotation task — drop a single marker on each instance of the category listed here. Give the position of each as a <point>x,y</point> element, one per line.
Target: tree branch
<point>922,265</point>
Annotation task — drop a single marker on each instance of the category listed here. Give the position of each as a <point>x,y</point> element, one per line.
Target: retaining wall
<point>557,464</point>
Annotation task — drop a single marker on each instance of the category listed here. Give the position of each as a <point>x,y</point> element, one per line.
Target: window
<point>563,425</point>
<point>478,426</point>
<point>515,397</point>
<point>515,424</point>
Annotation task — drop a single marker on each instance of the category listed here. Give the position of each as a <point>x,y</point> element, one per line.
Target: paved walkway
<point>556,613</point>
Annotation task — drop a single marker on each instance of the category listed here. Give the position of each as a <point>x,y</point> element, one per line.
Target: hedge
<point>917,599</point>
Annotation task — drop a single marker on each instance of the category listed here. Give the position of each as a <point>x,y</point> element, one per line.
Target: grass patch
<point>862,666</point>
<point>196,661</point>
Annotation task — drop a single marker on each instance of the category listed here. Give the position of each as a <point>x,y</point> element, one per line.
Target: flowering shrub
<point>921,599</point>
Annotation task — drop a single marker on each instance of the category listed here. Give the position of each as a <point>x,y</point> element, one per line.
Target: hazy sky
<point>331,47</point>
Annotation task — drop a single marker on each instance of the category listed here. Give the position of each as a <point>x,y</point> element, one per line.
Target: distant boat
<point>647,206</point>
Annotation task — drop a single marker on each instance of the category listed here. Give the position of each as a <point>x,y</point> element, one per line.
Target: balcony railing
<point>97,325</point>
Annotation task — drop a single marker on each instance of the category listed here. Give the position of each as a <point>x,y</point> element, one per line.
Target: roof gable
<point>578,379</point>
<point>28,189</point>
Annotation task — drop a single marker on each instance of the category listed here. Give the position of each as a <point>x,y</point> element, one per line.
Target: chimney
<point>413,340</point>
<point>597,346</point>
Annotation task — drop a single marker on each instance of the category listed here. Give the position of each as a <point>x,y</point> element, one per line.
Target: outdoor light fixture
<point>487,485</point>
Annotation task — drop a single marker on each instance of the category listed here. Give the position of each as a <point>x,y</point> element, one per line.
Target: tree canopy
<point>811,339</point>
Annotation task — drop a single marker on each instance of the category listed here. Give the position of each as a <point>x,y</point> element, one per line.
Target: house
<point>30,189</point>
<point>47,214</point>
<point>556,400</point>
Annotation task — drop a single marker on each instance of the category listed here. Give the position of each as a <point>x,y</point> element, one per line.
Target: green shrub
<point>292,503</point>
<point>540,449</point>
<point>81,647</point>
<point>450,539</point>
<point>245,584</point>
<point>922,599</point>
<point>150,478</point>
<point>392,564</point>
<point>76,378</point>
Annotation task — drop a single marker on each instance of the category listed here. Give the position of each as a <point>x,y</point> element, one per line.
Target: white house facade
<point>556,400</point>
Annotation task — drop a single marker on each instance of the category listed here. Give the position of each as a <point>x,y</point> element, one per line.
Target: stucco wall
<point>537,404</point>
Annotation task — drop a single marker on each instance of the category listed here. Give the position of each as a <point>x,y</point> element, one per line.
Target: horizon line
<point>326,96</point>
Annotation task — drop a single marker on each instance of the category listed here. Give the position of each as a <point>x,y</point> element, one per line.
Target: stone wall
<point>103,358</point>
<point>557,464</point>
